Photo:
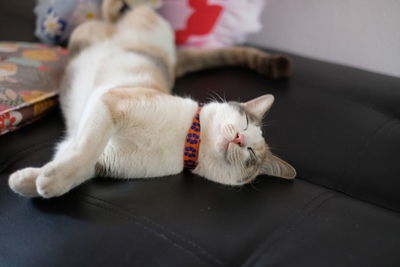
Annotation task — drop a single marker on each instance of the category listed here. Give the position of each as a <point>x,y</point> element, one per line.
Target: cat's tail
<point>270,65</point>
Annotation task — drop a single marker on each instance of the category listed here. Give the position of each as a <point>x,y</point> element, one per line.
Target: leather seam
<point>125,214</point>
<point>381,129</point>
<point>281,233</point>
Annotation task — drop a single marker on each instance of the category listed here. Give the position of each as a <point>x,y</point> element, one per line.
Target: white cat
<point>123,122</point>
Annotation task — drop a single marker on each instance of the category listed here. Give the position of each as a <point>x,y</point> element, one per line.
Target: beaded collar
<point>192,142</point>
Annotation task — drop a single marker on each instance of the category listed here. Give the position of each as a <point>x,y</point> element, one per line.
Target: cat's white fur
<point>120,126</point>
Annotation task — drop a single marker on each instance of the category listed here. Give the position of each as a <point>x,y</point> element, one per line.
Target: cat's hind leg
<point>75,160</point>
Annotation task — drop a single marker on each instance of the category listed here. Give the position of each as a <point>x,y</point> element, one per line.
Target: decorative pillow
<point>212,23</point>
<point>56,19</point>
<point>29,75</point>
<point>197,23</point>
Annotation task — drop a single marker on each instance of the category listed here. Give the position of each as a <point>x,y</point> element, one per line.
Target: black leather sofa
<point>339,126</point>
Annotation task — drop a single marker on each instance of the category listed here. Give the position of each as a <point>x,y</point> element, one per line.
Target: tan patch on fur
<point>88,33</point>
<point>158,78</point>
<point>151,51</point>
<point>157,56</point>
<point>119,99</point>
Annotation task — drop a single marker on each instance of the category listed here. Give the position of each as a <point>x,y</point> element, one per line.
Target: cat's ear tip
<point>265,97</point>
<point>271,96</point>
<point>292,174</point>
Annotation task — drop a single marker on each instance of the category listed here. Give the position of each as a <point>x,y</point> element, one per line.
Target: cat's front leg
<point>53,179</point>
<point>60,176</point>
<point>23,181</point>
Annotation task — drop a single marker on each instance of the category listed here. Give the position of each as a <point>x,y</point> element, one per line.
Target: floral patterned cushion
<point>197,23</point>
<point>29,75</point>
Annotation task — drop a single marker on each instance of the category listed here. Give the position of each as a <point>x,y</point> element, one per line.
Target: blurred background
<point>359,33</point>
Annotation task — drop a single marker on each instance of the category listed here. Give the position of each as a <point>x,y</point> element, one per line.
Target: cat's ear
<point>259,106</point>
<point>274,166</point>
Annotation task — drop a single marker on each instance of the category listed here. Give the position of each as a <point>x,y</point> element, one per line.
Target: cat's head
<point>233,150</point>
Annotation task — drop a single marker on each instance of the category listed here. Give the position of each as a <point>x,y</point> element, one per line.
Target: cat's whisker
<point>265,124</point>
<point>231,130</point>
<point>240,161</point>
<point>252,184</point>
<point>233,156</point>
<point>236,154</point>
<point>268,123</point>
<point>228,156</point>
<point>227,130</point>
<point>217,96</point>
<point>211,99</point>
<point>224,98</point>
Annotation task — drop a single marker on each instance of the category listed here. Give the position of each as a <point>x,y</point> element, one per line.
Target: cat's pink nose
<point>239,139</point>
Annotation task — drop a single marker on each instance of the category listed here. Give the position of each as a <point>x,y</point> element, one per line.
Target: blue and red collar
<point>192,142</point>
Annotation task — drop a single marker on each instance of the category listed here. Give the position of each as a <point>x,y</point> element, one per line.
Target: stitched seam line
<point>291,228</point>
<point>125,214</point>
<point>131,217</point>
<point>282,233</point>
<point>381,129</point>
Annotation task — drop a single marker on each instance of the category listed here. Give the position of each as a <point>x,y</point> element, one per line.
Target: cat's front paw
<point>49,186</point>
<point>23,182</point>
<point>57,178</point>
<point>54,180</point>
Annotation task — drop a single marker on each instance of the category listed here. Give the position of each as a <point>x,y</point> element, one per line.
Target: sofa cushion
<point>325,119</point>
<point>185,220</point>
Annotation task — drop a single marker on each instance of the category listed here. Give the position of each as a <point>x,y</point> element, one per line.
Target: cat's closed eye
<point>251,151</point>
<point>252,160</point>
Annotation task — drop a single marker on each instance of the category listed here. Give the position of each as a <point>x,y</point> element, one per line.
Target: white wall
<point>360,33</point>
